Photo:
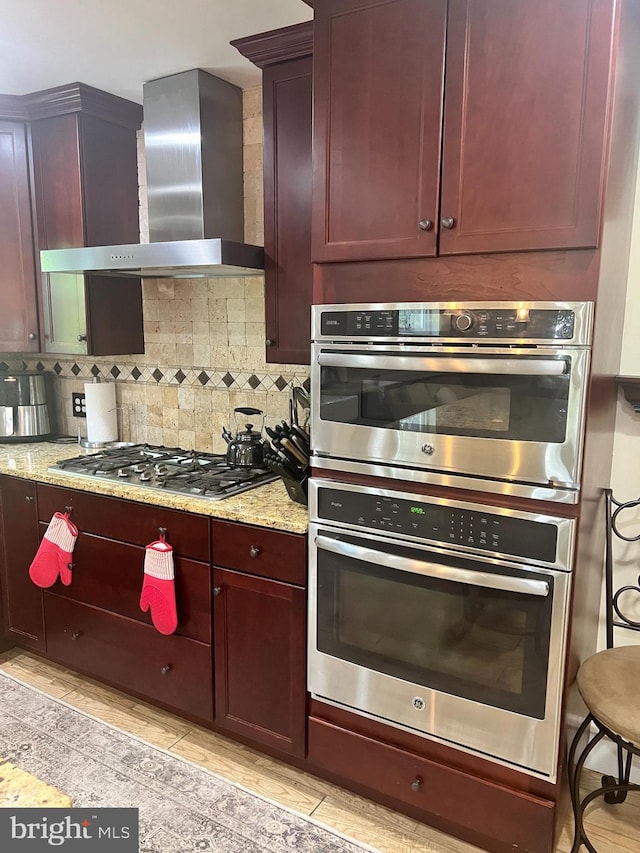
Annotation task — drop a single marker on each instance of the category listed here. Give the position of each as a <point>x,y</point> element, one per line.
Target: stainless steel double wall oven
<point>443,616</point>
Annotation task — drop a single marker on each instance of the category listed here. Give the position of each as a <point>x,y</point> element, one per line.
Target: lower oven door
<point>465,651</point>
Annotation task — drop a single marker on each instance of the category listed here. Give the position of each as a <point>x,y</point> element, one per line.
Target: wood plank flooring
<point>612,829</point>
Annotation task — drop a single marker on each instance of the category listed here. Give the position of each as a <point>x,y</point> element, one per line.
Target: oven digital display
<point>422,322</point>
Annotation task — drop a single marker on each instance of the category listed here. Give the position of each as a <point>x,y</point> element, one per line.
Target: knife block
<point>297,491</point>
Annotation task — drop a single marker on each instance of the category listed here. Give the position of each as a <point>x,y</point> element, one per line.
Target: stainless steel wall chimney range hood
<point>193,157</point>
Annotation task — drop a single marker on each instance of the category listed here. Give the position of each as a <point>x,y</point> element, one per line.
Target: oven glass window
<point>486,645</point>
<point>484,405</point>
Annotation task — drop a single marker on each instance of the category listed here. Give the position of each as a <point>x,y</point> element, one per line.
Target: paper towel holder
<point>96,445</point>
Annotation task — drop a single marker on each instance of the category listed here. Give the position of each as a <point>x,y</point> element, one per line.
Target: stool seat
<point>608,683</point>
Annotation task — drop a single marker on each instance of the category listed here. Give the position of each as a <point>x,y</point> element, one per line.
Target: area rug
<point>182,807</point>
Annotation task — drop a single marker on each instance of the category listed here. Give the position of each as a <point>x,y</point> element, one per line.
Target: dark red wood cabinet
<point>252,611</point>
<point>465,126</point>
<point>493,815</point>
<point>285,58</point>
<point>19,540</point>
<point>172,670</point>
<point>95,624</point>
<point>259,623</point>
<point>86,194</point>
<point>19,315</point>
<point>287,202</point>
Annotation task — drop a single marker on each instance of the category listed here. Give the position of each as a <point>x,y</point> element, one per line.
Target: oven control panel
<point>520,537</point>
<point>420,321</point>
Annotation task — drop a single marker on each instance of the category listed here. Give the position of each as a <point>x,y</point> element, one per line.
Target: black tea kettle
<point>246,450</point>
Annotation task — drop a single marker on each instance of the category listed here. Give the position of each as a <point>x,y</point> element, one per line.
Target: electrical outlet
<point>79,406</point>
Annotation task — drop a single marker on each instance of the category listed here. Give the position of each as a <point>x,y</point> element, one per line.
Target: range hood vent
<point>193,160</point>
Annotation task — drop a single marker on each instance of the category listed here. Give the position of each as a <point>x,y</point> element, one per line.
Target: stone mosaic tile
<point>242,379</point>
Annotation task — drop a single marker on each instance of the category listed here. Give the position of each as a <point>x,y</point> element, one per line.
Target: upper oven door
<point>503,413</point>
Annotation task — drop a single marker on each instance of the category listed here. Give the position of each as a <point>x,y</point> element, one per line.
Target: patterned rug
<point>182,807</point>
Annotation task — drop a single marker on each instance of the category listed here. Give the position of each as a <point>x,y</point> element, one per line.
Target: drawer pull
<point>76,635</point>
<point>417,783</point>
<point>71,566</point>
<point>166,669</point>
<point>217,590</point>
<point>255,551</point>
<point>29,499</point>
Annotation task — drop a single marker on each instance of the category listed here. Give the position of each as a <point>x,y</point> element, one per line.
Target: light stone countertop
<point>265,506</point>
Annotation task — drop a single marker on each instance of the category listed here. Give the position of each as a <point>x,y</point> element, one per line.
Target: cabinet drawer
<point>260,551</point>
<point>449,796</point>
<point>109,574</point>
<point>173,670</point>
<point>128,521</point>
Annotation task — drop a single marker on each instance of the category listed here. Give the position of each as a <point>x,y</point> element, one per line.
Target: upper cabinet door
<point>524,124</point>
<point>18,318</point>
<point>57,179</point>
<point>378,78</point>
<point>286,91</point>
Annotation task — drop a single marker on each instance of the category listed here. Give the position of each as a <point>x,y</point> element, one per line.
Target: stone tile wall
<point>204,343</point>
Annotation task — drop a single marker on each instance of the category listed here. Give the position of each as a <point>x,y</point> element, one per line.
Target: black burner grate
<point>170,469</point>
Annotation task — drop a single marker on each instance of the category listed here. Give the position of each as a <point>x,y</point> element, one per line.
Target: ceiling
<point>117,45</point>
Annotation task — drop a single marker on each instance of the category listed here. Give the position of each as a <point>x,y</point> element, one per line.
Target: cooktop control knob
<point>463,322</point>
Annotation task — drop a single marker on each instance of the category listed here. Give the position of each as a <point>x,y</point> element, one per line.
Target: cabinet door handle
<point>425,225</point>
<point>82,338</point>
<point>71,566</point>
<point>32,336</point>
<point>255,551</point>
<point>270,342</point>
<point>417,783</point>
<point>217,590</point>
<point>448,222</point>
<point>166,669</point>
<point>76,635</point>
<point>29,499</point>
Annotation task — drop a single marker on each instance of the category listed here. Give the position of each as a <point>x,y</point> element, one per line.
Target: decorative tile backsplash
<point>204,344</point>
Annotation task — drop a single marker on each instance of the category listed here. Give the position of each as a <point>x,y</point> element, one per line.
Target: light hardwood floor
<point>612,829</point>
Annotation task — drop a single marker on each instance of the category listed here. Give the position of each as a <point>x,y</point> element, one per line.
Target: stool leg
<point>574,788</point>
<point>578,805</point>
<point>616,794</point>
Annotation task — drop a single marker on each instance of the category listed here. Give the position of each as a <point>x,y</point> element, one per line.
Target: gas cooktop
<point>168,469</point>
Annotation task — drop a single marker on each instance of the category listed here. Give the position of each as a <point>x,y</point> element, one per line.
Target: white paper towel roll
<point>102,417</point>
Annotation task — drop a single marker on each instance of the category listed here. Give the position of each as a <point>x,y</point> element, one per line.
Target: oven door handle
<point>445,364</point>
<point>433,570</point>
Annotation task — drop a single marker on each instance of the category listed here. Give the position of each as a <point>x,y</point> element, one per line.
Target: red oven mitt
<point>158,587</point>
<point>53,557</point>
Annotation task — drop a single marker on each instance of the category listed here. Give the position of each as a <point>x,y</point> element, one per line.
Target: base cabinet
<point>259,636</point>
<point>95,624</point>
<point>22,601</point>
<point>259,633</point>
<point>483,812</point>
<point>167,669</point>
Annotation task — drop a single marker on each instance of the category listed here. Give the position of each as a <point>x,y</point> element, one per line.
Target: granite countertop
<point>265,506</point>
